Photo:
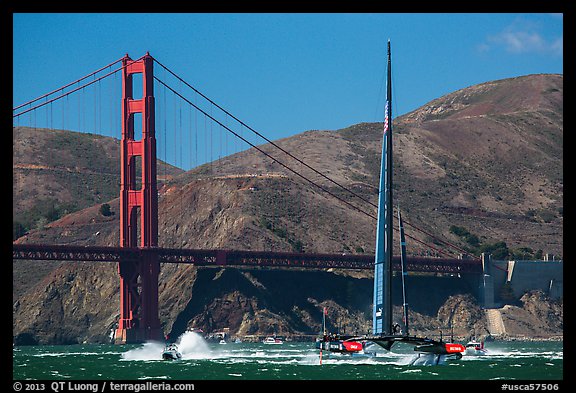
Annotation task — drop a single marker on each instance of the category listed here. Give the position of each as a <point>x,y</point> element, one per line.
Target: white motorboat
<point>171,352</point>
<point>475,348</point>
<point>272,340</point>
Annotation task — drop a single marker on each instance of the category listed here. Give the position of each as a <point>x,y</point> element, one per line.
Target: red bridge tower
<point>138,277</point>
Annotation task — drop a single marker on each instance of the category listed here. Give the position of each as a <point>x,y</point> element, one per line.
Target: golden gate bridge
<point>138,255</point>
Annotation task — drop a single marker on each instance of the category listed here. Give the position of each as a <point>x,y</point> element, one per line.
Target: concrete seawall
<point>520,277</point>
<point>427,292</point>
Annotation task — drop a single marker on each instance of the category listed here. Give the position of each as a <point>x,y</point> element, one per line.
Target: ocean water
<point>505,361</point>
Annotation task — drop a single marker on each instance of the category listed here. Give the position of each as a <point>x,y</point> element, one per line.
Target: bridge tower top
<point>138,279</point>
<point>133,195</point>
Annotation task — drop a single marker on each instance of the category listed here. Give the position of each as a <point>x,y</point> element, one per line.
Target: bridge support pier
<point>139,320</point>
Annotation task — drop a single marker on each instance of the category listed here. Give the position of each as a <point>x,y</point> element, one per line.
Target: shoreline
<point>287,338</point>
<point>487,338</point>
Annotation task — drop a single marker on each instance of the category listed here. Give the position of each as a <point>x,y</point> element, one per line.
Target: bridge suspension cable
<point>265,138</point>
<point>304,164</point>
<point>262,151</point>
<point>226,127</point>
<point>285,165</point>
<point>69,92</point>
<point>66,86</point>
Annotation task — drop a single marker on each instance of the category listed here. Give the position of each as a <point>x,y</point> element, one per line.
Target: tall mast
<point>404,272</point>
<point>382,306</point>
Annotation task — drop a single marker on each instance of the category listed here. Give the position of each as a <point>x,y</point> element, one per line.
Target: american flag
<point>386,118</point>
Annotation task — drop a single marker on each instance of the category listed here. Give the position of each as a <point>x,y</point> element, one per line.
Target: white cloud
<point>523,37</point>
<point>519,41</point>
<point>557,46</point>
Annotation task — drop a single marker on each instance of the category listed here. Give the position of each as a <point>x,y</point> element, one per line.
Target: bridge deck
<point>238,258</point>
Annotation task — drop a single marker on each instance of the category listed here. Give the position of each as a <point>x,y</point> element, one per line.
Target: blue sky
<point>284,73</point>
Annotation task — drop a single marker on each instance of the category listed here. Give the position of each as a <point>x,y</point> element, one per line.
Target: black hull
<point>170,356</point>
<point>421,344</point>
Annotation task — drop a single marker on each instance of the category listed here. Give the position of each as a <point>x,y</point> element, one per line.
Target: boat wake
<point>429,359</point>
<point>148,351</point>
<point>494,353</point>
<point>190,344</point>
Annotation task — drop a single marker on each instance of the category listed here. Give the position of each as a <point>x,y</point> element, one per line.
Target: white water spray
<point>193,346</point>
<point>148,351</point>
<point>190,344</point>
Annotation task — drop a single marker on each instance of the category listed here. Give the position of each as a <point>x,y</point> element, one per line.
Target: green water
<point>538,361</point>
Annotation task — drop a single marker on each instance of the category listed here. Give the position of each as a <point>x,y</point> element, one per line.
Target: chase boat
<point>272,340</point>
<point>475,348</point>
<point>171,352</point>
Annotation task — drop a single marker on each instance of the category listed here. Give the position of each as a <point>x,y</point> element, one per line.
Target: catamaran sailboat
<point>384,333</point>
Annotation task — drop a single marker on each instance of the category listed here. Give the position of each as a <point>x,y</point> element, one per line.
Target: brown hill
<point>57,172</point>
<point>487,159</point>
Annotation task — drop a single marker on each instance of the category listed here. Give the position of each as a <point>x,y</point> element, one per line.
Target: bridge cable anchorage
<point>298,159</point>
<point>263,152</point>
<point>71,91</point>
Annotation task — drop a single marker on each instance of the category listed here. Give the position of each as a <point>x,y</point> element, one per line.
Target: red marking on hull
<point>352,346</point>
<point>454,348</point>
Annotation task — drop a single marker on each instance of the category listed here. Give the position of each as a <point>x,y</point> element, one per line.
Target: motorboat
<point>171,352</point>
<point>475,348</point>
<point>272,340</point>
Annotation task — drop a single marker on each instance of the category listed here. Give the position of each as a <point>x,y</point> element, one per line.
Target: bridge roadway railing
<point>219,258</point>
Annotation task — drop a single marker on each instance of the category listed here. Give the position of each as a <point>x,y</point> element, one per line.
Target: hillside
<point>487,159</point>
<point>57,172</point>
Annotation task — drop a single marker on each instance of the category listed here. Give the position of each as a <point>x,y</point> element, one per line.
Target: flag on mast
<point>386,117</point>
